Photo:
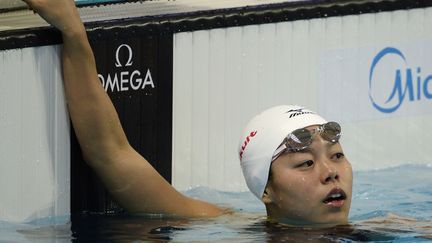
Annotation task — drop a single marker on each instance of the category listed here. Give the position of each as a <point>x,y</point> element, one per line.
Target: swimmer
<point>291,157</point>
<point>293,162</point>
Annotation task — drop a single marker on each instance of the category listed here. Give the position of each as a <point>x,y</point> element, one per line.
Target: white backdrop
<point>223,77</point>
<point>34,131</point>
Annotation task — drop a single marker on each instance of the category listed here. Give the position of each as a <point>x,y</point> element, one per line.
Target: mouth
<point>335,198</point>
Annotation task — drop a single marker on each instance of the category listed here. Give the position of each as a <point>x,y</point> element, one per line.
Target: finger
<point>30,8</point>
<point>28,4</point>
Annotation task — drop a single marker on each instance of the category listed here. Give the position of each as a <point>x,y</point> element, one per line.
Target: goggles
<point>301,138</point>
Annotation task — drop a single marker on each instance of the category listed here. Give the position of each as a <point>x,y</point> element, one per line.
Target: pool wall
<point>35,132</point>
<point>346,68</point>
<point>186,76</point>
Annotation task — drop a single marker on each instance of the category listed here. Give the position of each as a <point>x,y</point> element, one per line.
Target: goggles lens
<point>301,138</point>
<point>331,132</point>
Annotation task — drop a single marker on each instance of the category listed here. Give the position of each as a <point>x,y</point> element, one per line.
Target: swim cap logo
<point>399,83</point>
<point>246,142</point>
<point>297,112</point>
<point>125,77</point>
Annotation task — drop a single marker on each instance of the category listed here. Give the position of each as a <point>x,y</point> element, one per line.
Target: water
<point>390,205</point>
<point>79,2</point>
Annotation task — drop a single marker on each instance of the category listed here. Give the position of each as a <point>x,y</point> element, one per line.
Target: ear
<point>267,195</point>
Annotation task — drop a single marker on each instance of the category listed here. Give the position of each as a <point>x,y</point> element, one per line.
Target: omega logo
<point>124,80</point>
<point>129,62</point>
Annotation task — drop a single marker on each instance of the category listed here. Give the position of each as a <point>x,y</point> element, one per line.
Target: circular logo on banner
<point>387,81</point>
<point>392,82</point>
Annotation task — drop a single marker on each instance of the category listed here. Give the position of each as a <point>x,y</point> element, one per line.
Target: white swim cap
<point>262,136</point>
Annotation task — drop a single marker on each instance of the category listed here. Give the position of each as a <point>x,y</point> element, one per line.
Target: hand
<point>62,14</point>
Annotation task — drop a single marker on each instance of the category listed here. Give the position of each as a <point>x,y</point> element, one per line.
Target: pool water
<point>81,2</point>
<point>390,205</point>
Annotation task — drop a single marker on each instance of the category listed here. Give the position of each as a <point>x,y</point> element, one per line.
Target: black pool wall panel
<point>136,71</point>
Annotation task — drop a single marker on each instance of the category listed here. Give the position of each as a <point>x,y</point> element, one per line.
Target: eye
<point>306,164</point>
<point>338,156</point>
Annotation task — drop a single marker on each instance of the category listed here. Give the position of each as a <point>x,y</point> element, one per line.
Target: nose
<point>329,173</point>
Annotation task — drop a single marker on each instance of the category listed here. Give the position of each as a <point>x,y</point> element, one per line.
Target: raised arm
<point>135,184</point>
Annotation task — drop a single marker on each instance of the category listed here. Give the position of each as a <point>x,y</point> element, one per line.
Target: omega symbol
<point>129,62</point>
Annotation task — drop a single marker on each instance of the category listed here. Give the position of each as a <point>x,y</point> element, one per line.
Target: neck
<point>274,216</point>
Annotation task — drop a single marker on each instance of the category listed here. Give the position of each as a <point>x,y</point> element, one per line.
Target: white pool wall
<point>223,77</point>
<point>35,139</point>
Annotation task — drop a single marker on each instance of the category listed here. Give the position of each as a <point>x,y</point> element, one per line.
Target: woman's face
<point>311,187</point>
